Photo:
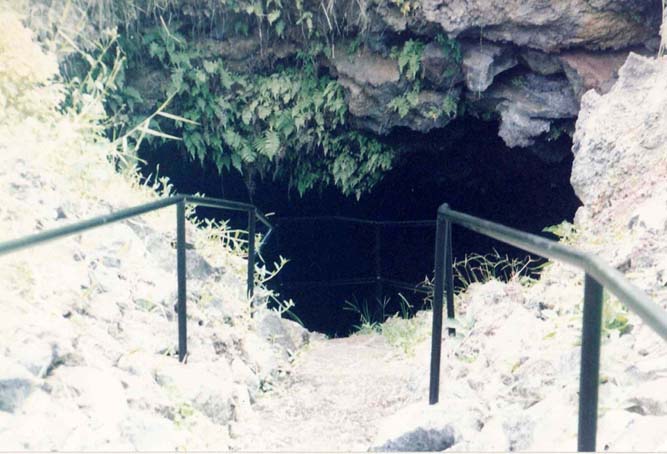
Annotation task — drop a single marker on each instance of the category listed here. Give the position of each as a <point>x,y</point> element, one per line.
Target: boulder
<point>208,387</point>
<point>423,427</point>
<point>621,133</point>
<point>16,384</point>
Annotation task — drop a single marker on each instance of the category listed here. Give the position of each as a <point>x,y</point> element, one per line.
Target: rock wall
<point>510,389</point>
<point>526,63</point>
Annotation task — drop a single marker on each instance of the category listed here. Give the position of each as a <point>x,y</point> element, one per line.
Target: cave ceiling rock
<point>540,62</point>
<point>482,61</point>
<point>441,71</point>
<point>549,25</point>
<point>588,70</point>
<point>372,82</point>
<point>528,105</point>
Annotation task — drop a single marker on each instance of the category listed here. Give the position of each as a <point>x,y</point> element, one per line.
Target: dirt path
<point>338,391</point>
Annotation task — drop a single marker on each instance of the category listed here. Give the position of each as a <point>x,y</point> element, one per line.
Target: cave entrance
<point>466,165</point>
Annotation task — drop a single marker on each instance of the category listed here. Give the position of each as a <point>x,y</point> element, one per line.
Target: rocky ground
<point>510,377</point>
<point>88,326</point>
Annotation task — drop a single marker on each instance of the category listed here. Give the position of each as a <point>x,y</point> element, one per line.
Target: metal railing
<point>379,280</point>
<point>180,201</point>
<point>597,275</point>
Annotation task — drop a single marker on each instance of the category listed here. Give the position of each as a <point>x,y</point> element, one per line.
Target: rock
<point>540,62</point>
<point>372,82</point>
<point>300,336</point>
<point>287,334</point>
<point>85,384</point>
<point>612,128</point>
<point>648,399</point>
<point>588,70</point>
<point>16,384</point>
<point>638,434</point>
<point>484,61</point>
<point>163,252</point>
<point>422,427</point>
<point>243,374</point>
<point>651,215</point>
<point>207,387</point>
<point>549,26</point>
<point>528,104</point>
<point>441,71</point>
<point>148,432</point>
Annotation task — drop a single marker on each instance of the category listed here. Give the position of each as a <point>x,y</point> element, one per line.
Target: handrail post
<point>590,365</point>
<point>378,265</point>
<point>436,332</point>
<point>180,271</point>
<point>449,276</point>
<point>252,223</point>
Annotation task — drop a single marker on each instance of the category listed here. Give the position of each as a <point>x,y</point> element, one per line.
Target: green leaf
<point>273,16</point>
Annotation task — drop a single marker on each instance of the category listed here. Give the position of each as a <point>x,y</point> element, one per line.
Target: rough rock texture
<point>547,25</point>
<point>581,41</point>
<point>483,62</point>
<point>372,82</point>
<point>588,70</point>
<point>631,139</point>
<point>88,359</point>
<point>527,105</point>
<point>522,385</point>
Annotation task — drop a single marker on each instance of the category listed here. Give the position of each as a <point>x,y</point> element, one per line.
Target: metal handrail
<point>379,280</point>
<point>597,275</point>
<point>353,220</point>
<point>180,201</point>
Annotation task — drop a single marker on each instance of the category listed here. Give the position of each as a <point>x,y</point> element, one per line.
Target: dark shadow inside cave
<point>466,165</point>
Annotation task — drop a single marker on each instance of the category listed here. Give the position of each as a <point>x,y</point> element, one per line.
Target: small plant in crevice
<point>566,232</point>
<point>615,317</point>
<point>409,60</point>
<point>369,320</point>
<point>400,328</point>
<point>481,268</point>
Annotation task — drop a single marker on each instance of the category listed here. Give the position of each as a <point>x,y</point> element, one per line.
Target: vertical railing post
<point>449,276</point>
<point>438,291</point>
<point>180,271</point>
<point>590,365</point>
<point>252,222</point>
<point>378,265</point>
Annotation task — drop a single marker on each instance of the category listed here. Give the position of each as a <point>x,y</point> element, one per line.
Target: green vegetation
<point>243,93</point>
<point>401,329</point>
<point>409,59</point>
<point>289,123</point>
<point>565,231</point>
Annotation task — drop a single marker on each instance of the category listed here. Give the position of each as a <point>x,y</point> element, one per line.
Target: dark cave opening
<point>466,165</point>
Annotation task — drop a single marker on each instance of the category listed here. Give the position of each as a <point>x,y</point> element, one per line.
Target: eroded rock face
<point>528,104</point>
<point>549,25</point>
<point>372,82</point>
<point>590,70</point>
<point>615,137</point>
<point>483,62</point>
